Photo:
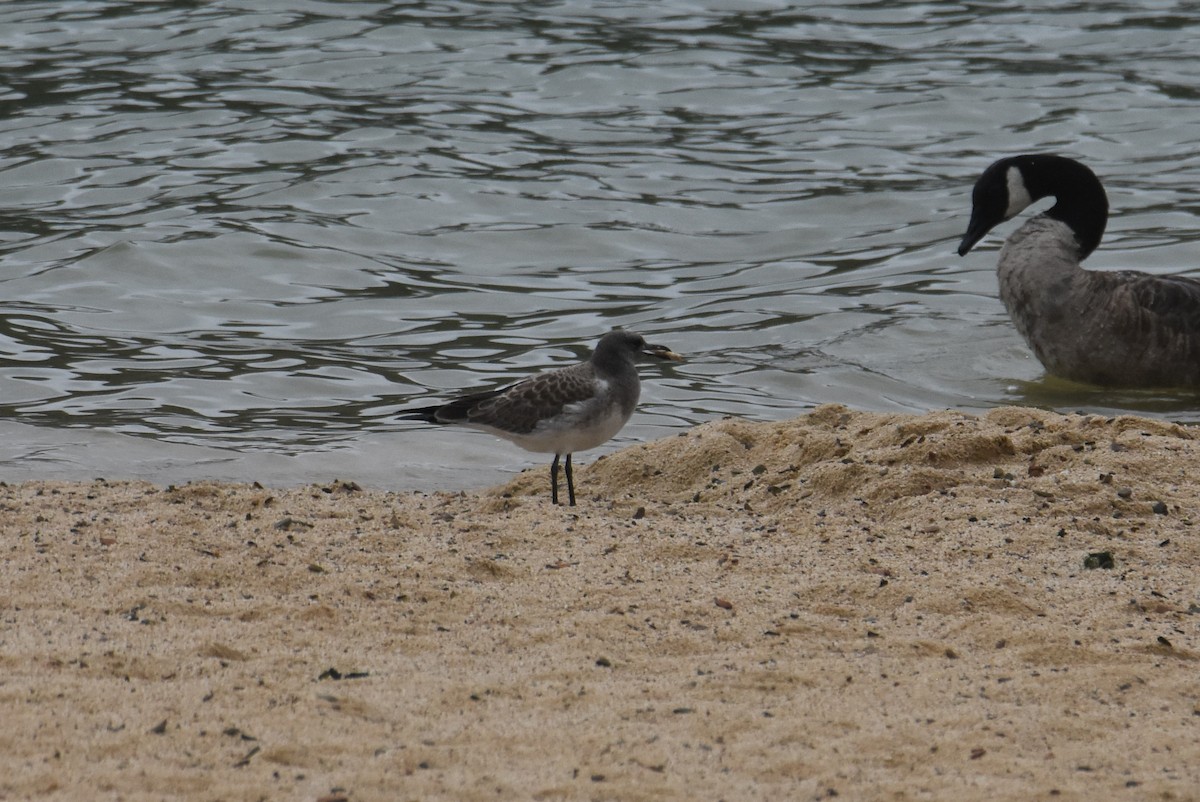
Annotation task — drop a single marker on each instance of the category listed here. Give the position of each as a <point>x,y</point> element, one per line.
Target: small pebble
<point>1099,559</point>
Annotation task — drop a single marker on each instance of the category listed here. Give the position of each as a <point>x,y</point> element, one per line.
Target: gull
<point>559,411</point>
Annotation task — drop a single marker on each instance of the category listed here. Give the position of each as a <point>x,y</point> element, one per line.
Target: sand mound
<point>890,460</point>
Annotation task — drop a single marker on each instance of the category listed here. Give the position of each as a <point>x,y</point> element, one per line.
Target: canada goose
<point>1111,328</point>
<point>560,411</point>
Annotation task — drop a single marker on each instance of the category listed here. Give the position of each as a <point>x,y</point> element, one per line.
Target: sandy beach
<point>849,604</point>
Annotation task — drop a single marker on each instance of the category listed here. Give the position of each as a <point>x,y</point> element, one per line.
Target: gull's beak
<point>662,352</point>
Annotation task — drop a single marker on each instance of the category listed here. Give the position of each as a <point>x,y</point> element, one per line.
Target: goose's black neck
<point>1079,197</point>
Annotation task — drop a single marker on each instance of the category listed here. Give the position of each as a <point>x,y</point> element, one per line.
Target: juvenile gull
<point>560,411</point>
<point>1111,328</point>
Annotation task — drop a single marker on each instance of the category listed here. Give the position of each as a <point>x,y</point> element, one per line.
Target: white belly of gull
<point>578,428</point>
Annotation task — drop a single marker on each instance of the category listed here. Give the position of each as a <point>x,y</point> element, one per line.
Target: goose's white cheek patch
<point>1018,195</point>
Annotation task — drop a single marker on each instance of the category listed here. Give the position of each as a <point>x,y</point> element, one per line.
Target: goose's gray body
<point>1109,328</point>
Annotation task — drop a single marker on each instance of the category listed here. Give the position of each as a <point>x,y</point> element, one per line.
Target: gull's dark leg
<point>554,479</point>
<point>570,482</point>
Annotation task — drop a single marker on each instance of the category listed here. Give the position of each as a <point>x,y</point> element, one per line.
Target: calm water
<point>238,237</point>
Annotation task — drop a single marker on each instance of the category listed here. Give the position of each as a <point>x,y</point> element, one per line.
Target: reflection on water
<point>265,228</point>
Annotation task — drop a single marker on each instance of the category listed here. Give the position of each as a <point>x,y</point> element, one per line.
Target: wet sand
<point>854,604</point>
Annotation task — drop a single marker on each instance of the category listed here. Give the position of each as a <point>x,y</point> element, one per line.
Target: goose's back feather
<point>1152,323</point>
<point>1166,303</point>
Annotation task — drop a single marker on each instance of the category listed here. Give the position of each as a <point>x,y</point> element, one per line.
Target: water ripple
<point>271,229</point>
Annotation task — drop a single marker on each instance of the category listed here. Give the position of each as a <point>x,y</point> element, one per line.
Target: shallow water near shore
<point>238,239</point>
